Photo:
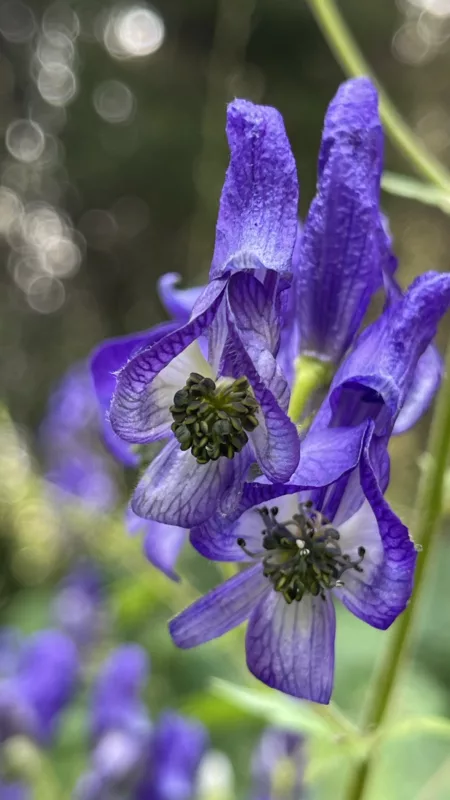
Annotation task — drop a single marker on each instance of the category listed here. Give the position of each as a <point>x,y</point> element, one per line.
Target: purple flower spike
<point>78,607</point>
<point>41,685</point>
<point>338,266</point>
<point>368,563</point>
<point>257,222</point>
<point>116,702</point>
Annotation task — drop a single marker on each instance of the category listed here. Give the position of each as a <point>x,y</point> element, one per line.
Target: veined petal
<point>220,610</point>
<point>217,539</point>
<point>258,207</point>
<point>379,372</point>
<point>138,412</point>
<point>291,647</point>
<point>106,360</point>
<point>176,490</point>
<point>425,383</point>
<point>339,262</point>
<point>379,593</point>
<point>275,440</point>
<point>177,302</point>
<point>254,307</point>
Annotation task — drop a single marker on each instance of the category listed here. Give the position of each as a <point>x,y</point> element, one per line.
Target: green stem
<point>310,374</point>
<point>352,61</point>
<point>426,527</point>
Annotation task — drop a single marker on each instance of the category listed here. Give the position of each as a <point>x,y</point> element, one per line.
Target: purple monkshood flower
<point>79,605</point>
<point>278,766</point>
<point>305,547</point>
<point>41,682</point>
<point>343,253</point>
<point>75,460</point>
<point>14,791</point>
<point>225,353</point>
<point>131,756</point>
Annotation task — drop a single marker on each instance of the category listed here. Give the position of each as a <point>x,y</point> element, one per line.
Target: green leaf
<point>404,186</point>
<point>279,709</point>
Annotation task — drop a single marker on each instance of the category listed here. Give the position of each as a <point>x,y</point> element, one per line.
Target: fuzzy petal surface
<point>291,647</point>
<point>257,220</point>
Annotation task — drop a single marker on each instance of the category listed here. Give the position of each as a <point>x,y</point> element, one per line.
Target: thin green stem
<point>310,374</point>
<point>352,61</point>
<point>426,527</point>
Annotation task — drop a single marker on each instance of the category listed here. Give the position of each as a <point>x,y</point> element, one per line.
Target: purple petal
<point>275,440</point>
<point>339,265</point>
<point>220,610</point>
<point>162,546</point>
<point>218,538</point>
<point>177,302</point>
<point>380,371</point>
<point>291,647</point>
<point>178,746</point>
<point>106,360</point>
<point>138,414</point>
<point>256,314</point>
<point>116,700</point>
<point>381,592</point>
<point>176,490</point>
<point>258,208</point>
<point>46,676</point>
<point>14,791</point>
<point>425,383</point>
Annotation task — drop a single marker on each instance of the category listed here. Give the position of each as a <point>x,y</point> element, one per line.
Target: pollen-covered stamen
<point>304,555</point>
<point>212,420</point>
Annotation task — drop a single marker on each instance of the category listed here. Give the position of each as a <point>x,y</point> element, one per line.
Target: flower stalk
<point>426,526</point>
<point>349,56</point>
<point>310,374</point>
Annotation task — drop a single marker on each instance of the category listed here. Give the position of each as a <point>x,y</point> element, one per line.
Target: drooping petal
<point>275,440</point>
<point>162,544</point>
<point>137,412</point>
<point>374,381</point>
<point>255,310</point>
<point>379,593</point>
<point>257,220</point>
<point>425,383</point>
<point>220,610</point>
<point>106,360</point>
<point>291,647</point>
<point>176,490</point>
<point>177,302</point>
<point>339,266</point>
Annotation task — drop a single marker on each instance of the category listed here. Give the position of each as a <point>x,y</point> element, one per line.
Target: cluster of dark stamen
<point>213,420</point>
<point>304,556</point>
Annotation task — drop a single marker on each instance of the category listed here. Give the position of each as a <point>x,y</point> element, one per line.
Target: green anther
<point>303,554</point>
<point>211,420</point>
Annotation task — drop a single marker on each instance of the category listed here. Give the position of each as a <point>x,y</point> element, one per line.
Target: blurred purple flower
<point>130,756</point>
<point>278,766</point>
<point>161,543</point>
<point>342,540</point>
<point>79,605</point>
<point>14,791</point>
<point>40,685</point>
<point>70,436</point>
